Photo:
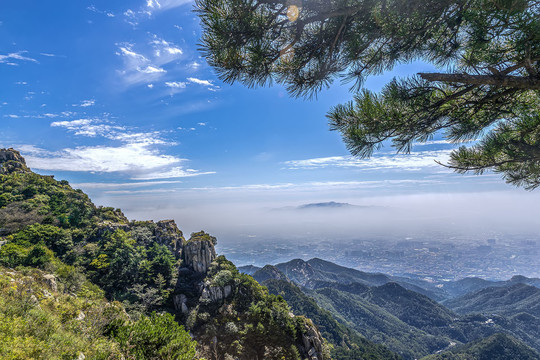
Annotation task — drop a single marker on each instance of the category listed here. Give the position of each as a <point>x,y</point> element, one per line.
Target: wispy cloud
<point>89,127</point>
<point>176,84</point>
<point>97,185</point>
<point>164,48</point>
<point>147,64</point>
<point>132,157</point>
<point>139,154</point>
<point>207,83</point>
<point>175,172</point>
<point>323,185</point>
<point>139,161</point>
<point>411,162</point>
<point>12,58</point>
<point>96,127</point>
<point>151,70</point>
<point>137,67</point>
<point>48,55</point>
<point>94,9</point>
<point>86,103</point>
<point>161,5</point>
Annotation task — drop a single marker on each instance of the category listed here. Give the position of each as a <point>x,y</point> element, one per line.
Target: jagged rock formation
<point>214,293</point>
<point>313,341</point>
<point>12,161</point>
<point>199,252</point>
<point>168,234</point>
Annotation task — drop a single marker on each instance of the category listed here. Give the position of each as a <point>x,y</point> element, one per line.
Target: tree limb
<point>517,82</point>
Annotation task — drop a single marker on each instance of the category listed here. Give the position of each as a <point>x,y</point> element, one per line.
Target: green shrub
<point>155,337</point>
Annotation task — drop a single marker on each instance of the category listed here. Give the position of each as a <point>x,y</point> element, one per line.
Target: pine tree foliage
<point>488,92</point>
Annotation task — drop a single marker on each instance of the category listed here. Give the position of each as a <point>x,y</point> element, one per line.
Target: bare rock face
<point>313,342</point>
<point>215,294</point>
<point>199,252</point>
<point>50,280</point>
<point>180,303</point>
<point>168,234</point>
<point>12,161</point>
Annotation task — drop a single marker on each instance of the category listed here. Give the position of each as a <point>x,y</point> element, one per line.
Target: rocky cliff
<point>168,234</point>
<point>12,161</point>
<point>199,252</point>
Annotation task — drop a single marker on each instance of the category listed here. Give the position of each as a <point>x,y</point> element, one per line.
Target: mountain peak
<point>330,204</point>
<point>12,161</point>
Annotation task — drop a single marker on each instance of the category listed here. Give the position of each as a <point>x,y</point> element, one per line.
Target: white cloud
<point>87,103</point>
<point>131,157</point>
<point>175,172</point>
<point>413,161</point>
<point>131,192</point>
<point>98,127</point>
<point>9,58</point>
<point>174,51</point>
<point>176,84</point>
<point>126,51</point>
<point>324,185</point>
<point>195,65</point>
<point>137,154</point>
<point>151,70</point>
<point>200,82</point>
<point>138,159</point>
<point>160,5</point>
<point>96,10</point>
<point>88,127</point>
<point>122,185</point>
<point>147,63</point>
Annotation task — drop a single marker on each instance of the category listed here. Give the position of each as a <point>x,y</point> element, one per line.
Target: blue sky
<point>115,98</point>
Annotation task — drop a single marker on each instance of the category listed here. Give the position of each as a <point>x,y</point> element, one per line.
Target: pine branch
<point>516,82</point>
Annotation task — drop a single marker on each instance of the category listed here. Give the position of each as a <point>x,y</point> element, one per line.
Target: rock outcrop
<point>199,252</point>
<point>180,303</point>
<point>12,161</point>
<point>312,342</point>
<point>50,280</point>
<point>168,234</point>
<point>214,293</point>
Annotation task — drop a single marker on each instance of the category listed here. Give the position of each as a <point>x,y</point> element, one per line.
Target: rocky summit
<point>11,161</point>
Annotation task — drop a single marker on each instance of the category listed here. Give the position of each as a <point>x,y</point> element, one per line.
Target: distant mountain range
<point>326,205</point>
<point>329,205</point>
<point>412,317</point>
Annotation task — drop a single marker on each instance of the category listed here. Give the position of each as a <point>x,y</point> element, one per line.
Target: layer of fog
<point>235,217</point>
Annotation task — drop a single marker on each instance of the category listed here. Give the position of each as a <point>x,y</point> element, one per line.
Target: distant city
<point>451,258</point>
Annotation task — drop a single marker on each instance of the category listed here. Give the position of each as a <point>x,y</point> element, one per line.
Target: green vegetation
<point>495,300</point>
<point>41,318</point>
<point>377,324</point>
<point>94,254</point>
<point>347,344</point>
<point>250,324</point>
<point>156,336</point>
<point>406,321</point>
<point>490,48</point>
<point>495,347</point>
